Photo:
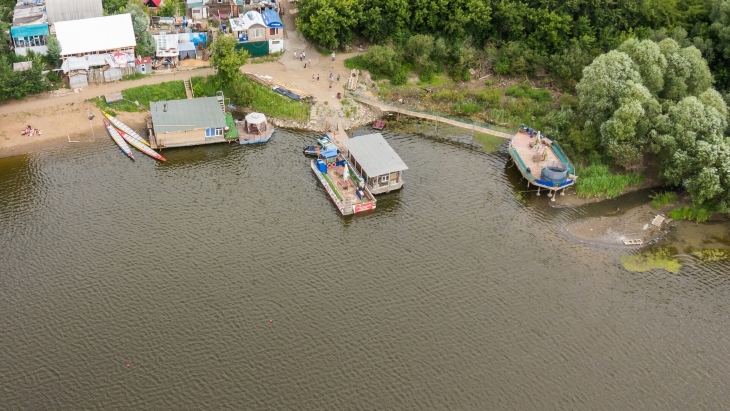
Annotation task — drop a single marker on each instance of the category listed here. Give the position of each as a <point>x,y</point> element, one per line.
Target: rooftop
<point>67,10</point>
<point>29,12</point>
<point>272,19</point>
<point>249,19</point>
<point>185,115</point>
<point>95,34</point>
<point>374,155</point>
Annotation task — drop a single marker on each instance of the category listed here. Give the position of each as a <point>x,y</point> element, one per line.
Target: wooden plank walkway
<point>384,107</point>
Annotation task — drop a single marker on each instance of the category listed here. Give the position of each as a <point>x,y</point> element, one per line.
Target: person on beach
<point>333,56</point>
<point>338,78</point>
<point>303,55</point>
<point>332,76</point>
<point>312,77</point>
<point>309,62</point>
<point>295,55</point>
<point>317,77</point>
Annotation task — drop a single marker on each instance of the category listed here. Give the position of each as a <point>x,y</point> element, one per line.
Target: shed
<point>22,66</point>
<point>67,10</point>
<point>96,35</point>
<point>144,65</point>
<point>186,50</point>
<point>377,162</point>
<point>178,123</point>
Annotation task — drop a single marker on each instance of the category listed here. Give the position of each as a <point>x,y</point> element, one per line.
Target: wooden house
<point>377,162</point>
<point>143,65</point>
<point>191,122</point>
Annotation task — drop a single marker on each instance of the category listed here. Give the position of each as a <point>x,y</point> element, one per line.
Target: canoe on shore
<point>141,147</point>
<point>123,127</point>
<point>118,139</point>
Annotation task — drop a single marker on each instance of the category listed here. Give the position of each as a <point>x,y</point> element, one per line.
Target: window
<point>143,69</point>
<point>256,33</point>
<point>273,32</point>
<point>219,132</point>
<point>384,179</point>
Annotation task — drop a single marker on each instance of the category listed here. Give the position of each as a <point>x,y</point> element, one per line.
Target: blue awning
<point>272,19</point>
<point>18,32</point>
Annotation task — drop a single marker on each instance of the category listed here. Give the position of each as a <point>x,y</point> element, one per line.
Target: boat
<point>118,139</point>
<point>379,124</point>
<point>541,161</point>
<point>141,147</point>
<point>121,126</point>
<point>325,147</point>
<point>256,129</point>
<point>344,185</point>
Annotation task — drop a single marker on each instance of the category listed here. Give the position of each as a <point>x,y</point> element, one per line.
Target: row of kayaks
<point>124,136</point>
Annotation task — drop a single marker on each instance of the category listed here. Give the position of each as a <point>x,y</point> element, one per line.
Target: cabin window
<point>219,132</point>
<point>220,1</point>
<point>255,33</point>
<point>273,32</point>
<point>384,179</point>
<point>210,132</point>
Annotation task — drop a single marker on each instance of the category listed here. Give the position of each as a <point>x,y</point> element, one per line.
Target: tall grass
<point>661,199</point>
<point>597,180</point>
<point>170,90</point>
<point>697,213</point>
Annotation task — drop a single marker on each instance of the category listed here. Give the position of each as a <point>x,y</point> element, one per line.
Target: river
<point>226,279</point>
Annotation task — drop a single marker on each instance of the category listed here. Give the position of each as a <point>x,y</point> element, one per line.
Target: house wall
<point>276,45</point>
<point>186,138</point>
<point>22,51</point>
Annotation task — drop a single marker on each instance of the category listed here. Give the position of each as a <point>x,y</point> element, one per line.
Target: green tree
<point>227,60</point>
<point>169,8</point>
<point>330,23</point>
<point>53,53</point>
<point>696,152</point>
<point>114,6</point>
<point>382,60</point>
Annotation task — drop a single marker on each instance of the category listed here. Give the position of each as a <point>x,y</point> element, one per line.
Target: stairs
<point>188,89</point>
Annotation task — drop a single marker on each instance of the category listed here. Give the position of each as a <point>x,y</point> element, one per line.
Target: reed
<point>659,200</point>
<point>696,213</point>
<point>597,180</point>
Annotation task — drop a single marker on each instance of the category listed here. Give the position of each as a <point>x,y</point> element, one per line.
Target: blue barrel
<point>322,167</point>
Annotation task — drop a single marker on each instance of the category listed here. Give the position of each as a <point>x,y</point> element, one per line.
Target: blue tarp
<point>272,19</point>
<point>287,93</point>
<point>18,32</point>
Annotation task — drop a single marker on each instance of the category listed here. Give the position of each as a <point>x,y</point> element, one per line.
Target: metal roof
<point>251,18</point>
<point>65,10</point>
<point>185,115</point>
<point>271,19</point>
<point>97,34</point>
<point>374,155</point>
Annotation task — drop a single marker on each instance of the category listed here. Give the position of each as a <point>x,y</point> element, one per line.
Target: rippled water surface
<point>452,295</point>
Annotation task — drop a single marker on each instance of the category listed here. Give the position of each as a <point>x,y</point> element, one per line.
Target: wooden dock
<point>390,109</point>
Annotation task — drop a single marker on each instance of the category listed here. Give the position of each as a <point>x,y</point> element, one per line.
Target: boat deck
<point>346,189</point>
<point>344,192</point>
<point>532,155</point>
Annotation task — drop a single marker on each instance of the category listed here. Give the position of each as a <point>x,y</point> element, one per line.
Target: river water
<point>226,279</point>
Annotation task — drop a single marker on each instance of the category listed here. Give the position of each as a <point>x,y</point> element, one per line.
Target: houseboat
<point>254,129</point>
<point>324,147</point>
<point>190,122</point>
<point>343,184</point>
<point>541,161</point>
<point>374,159</point>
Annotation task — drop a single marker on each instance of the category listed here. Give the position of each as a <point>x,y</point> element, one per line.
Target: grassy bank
<point>597,180</point>
<point>263,99</point>
<point>170,90</point>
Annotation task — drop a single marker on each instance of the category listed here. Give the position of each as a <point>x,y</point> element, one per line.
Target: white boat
<point>131,133</point>
<point>118,139</point>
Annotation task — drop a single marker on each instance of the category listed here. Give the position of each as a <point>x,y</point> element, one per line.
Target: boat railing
<point>560,154</point>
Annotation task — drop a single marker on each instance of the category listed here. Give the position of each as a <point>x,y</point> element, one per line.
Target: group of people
<point>30,131</point>
<point>332,77</point>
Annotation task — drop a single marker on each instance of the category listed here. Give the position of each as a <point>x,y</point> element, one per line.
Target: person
<point>303,55</point>
<point>295,55</point>
<point>317,77</point>
<point>309,62</point>
<point>332,76</point>
<point>338,78</point>
<point>330,83</point>
<point>333,56</point>
<point>312,76</point>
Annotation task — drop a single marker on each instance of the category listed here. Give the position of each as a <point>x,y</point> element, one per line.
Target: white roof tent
<point>374,155</point>
<point>98,34</point>
<point>249,19</point>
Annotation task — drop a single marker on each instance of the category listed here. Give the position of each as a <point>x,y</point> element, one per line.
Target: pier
<point>391,109</point>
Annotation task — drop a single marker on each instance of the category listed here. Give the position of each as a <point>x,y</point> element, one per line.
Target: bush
<point>400,77</point>
<point>53,77</point>
<point>382,61</point>
<point>491,97</point>
<point>525,90</point>
<point>661,199</point>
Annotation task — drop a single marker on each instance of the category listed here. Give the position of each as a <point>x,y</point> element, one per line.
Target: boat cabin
<point>377,162</point>
<point>190,122</point>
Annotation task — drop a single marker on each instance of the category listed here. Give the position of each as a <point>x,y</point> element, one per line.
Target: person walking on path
<point>295,55</point>
<point>303,55</point>
<point>332,76</point>
<point>333,56</point>
<point>338,78</point>
<point>317,77</point>
<point>312,77</point>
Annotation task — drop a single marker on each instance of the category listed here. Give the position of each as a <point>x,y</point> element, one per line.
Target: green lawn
<point>597,180</point>
<point>171,90</point>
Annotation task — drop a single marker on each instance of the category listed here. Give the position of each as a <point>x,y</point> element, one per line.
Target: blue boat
<point>541,161</point>
<point>325,147</point>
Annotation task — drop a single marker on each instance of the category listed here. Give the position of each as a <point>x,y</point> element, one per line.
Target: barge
<point>541,161</point>
<point>343,184</point>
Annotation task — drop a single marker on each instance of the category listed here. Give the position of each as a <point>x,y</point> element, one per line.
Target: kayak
<point>123,127</point>
<point>141,147</point>
<point>118,139</point>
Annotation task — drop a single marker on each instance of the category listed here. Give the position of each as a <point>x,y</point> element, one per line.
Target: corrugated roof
<point>184,115</point>
<point>374,155</point>
<point>97,34</point>
<point>66,10</point>
<point>251,18</point>
<point>272,19</point>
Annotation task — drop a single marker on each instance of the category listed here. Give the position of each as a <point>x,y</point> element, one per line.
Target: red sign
<point>364,207</point>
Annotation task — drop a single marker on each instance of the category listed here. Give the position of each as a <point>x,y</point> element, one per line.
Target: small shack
<point>144,65</point>
<point>190,122</point>
<point>377,162</point>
